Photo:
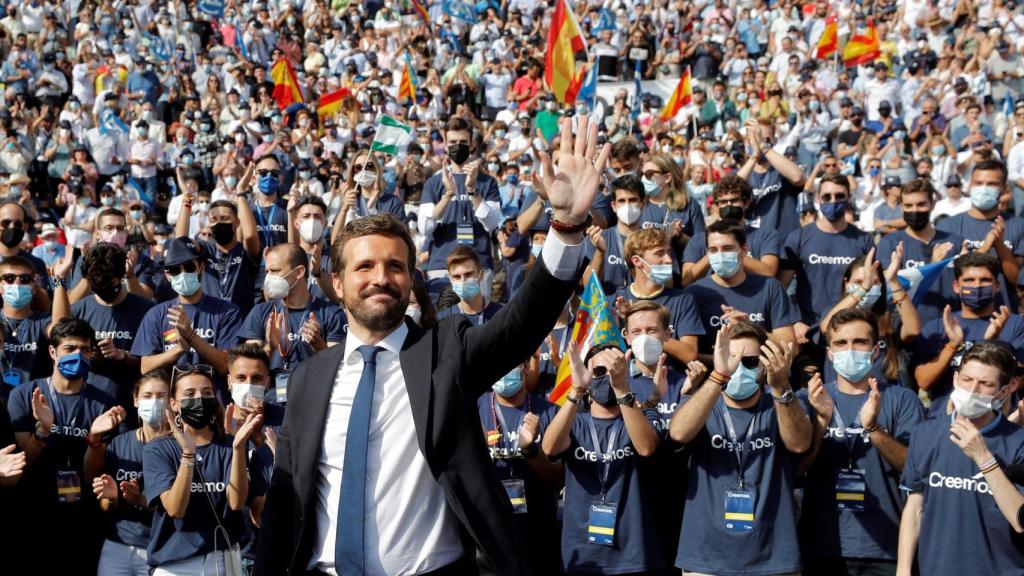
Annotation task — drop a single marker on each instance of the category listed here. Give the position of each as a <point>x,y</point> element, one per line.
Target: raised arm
<point>691,417</point>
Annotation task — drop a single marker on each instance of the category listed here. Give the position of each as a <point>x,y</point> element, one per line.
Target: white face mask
<point>276,287</point>
<point>646,349</point>
<point>151,411</point>
<point>971,405</point>
<point>414,312</point>
<point>628,213</point>
<point>241,393</point>
<point>311,230</point>
<point>366,178</point>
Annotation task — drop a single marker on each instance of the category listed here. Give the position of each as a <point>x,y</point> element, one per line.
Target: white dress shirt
<point>409,529</point>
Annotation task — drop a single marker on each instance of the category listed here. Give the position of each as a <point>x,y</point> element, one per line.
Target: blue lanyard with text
<point>58,418</point>
<point>848,438</point>
<point>267,232</point>
<point>604,462</point>
<point>737,448</point>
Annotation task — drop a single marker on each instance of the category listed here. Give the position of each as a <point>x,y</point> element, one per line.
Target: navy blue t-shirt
<point>238,284</point>
<point>216,321</point>
<point>819,259</point>
<point>121,324</point>
<point>917,254</point>
<point>386,204</point>
<point>705,545</point>
<point>663,217</point>
<point>460,209</point>
<point>636,547</point>
<point>643,387</point>
<point>488,312</point>
<point>933,337</point>
<point>762,298</point>
<point>874,532</point>
<point>615,271</point>
<point>682,310</point>
<point>962,529</point>
<point>127,524</point>
<point>175,539</point>
<point>22,342</point>
<point>761,242</point>
<point>261,465</point>
<point>974,230</point>
<point>774,202</point>
<point>271,223</point>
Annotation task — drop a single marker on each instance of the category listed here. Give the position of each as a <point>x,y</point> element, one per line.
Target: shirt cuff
<point>561,259</point>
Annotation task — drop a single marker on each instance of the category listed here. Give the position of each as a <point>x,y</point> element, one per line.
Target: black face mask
<point>917,220</point>
<point>223,232</point>
<point>458,153</point>
<point>601,391</point>
<point>12,236</point>
<point>884,112</point>
<point>108,293</point>
<point>730,212</point>
<point>857,121</point>
<point>198,412</point>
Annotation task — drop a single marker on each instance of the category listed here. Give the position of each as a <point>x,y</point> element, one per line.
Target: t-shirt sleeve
<point>254,325</point>
<point>654,419</point>
<point>145,272</point>
<point>768,243</point>
<point>687,320</point>
<point>19,408</point>
<point>790,257</point>
<point>333,325</point>
<point>912,479</point>
<point>159,468</point>
<point>695,249</point>
<point>147,339</point>
<point>909,413</point>
<point>490,192</point>
<point>227,330</point>
<point>779,311</point>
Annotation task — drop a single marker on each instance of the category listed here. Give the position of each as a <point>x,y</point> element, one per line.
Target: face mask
<point>466,290</point>
<point>223,233</point>
<point>499,133</point>
<point>203,206</point>
<point>414,312</point>
<point>458,153</point>
<point>268,138</point>
<point>730,212</point>
<point>241,393</point>
<point>971,405</point>
<point>185,283</point>
<point>834,211</point>
<point>276,287</point>
<point>198,412</point>
<point>853,365</point>
<point>651,187</point>
<point>205,127</point>
<point>137,214</point>
<point>108,293</point>
<point>743,383</point>
<point>725,264</point>
<point>601,391</point>
<point>73,366</point>
<point>311,230</point>
<point>647,349</point>
<point>230,181</point>
<point>305,174</point>
<point>365,178</point>
<point>492,167</point>
<point>984,198</point>
<point>977,298</point>
<point>151,411</point>
<point>116,237</point>
<point>628,213</point>
<point>107,200</point>
<point>51,244</point>
<point>814,105</point>
<point>269,184</point>
<point>140,131</point>
<point>510,384</point>
<point>938,150</point>
<point>874,171</point>
<point>660,273</point>
<point>17,295</point>
<point>536,249</point>
<point>917,220</point>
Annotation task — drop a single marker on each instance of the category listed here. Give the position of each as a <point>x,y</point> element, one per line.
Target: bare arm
<point>767,265</point>
<point>891,449</point>
<point>175,499</point>
<point>238,486</point>
<point>556,437</point>
<point>910,532</point>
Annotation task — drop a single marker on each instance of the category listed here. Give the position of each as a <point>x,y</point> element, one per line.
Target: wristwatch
<point>627,399</point>
<point>37,435</point>
<point>785,398</point>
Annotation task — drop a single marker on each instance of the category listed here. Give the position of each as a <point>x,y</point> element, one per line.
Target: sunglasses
<point>651,174</point>
<point>750,362</point>
<point>8,223</point>
<point>204,369</point>
<point>18,278</point>
<point>275,173</point>
<point>189,267</point>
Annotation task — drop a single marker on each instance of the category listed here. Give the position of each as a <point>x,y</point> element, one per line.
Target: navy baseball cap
<point>179,251</point>
<point>891,181</point>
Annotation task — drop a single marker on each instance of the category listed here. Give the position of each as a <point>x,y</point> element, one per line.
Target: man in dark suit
<point>380,466</point>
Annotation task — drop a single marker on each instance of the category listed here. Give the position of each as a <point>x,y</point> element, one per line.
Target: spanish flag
<point>330,104</point>
<point>417,7</point>
<point>829,41</point>
<point>682,96</point>
<point>862,48</point>
<point>106,76</point>
<point>170,336</point>
<point>286,86</point>
<point>563,73</point>
<point>407,87</point>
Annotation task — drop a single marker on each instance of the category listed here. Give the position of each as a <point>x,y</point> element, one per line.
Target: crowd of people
<point>817,271</point>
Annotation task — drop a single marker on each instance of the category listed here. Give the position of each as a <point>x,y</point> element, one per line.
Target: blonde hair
<point>677,198</point>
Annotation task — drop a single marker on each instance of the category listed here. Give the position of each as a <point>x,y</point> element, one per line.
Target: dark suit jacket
<point>446,369</point>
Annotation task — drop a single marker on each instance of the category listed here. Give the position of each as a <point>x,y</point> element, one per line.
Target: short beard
<point>380,322</point>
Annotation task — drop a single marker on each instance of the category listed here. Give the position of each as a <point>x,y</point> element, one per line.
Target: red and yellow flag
<point>562,71</point>
<point>417,6</point>
<point>286,86</point>
<point>829,41</point>
<point>681,96</point>
<point>330,104</point>
<point>862,48</point>
<point>406,86</point>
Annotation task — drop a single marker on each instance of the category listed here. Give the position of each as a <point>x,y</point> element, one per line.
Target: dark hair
<point>222,203</point>
<point>110,212</point>
<point>251,351</point>
<point>71,328</point>
<point>23,263</point>
<point>157,374</point>
<point>457,124</point>
<point>743,329</point>
<point>919,185</point>
<point>311,199</point>
<point>731,184</point>
<point>992,164</point>
<point>729,228</point>
<point>625,150</point>
<point>993,354</point>
<point>428,316</point>
<point>270,157</point>
<point>377,224</point>
<point>630,182</point>
<point>103,262</point>
<point>217,422</point>
<point>855,314</point>
<point>976,259</point>
<point>838,180</point>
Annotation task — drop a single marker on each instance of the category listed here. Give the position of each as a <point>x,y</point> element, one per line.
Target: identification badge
<point>850,490</point>
<point>516,490</point>
<point>739,510</point>
<point>69,486</point>
<point>464,234</point>
<point>493,437</point>
<point>12,377</point>
<point>281,386</point>
<point>601,527</point>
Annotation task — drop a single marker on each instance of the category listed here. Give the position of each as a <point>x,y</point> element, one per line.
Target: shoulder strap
<point>213,509</point>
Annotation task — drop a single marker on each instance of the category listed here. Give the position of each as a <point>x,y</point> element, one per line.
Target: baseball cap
<point>891,181</point>
<point>953,180</point>
<point>179,251</point>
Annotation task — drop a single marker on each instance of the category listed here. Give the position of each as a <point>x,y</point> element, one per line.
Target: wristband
<point>188,454</point>
<point>954,348</point>
<point>566,228</point>
<point>718,378</point>
<point>872,429</point>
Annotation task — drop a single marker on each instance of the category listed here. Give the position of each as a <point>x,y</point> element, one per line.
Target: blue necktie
<point>348,544</point>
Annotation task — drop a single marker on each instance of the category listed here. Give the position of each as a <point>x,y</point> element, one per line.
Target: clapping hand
<point>872,406</point>
<point>529,430</point>
<point>820,400</point>
<point>695,372</point>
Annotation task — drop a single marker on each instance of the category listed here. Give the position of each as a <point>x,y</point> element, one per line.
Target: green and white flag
<point>390,135</point>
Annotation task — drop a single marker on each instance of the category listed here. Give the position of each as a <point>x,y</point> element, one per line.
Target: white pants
<point>118,559</point>
<point>211,564</point>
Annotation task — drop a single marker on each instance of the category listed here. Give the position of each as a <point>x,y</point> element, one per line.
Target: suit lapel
<point>417,363</point>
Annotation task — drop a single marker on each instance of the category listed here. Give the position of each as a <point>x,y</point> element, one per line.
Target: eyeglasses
<point>650,174</point>
<point>737,201</point>
<point>18,278</point>
<point>750,362</point>
<point>833,198</point>
<point>8,223</point>
<point>135,207</point>
<point>274,172</point>
<point>189,267</point>
<point>204,369</point>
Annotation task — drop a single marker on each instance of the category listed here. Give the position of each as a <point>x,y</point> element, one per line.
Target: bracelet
<point>898,301</point>
<point>567,228</point>
<point>989,465</point>
<point>188,464</point>
<point>718,378</point>
<point>188,454</point>
<point>954,348</point>
<point>872,429</point>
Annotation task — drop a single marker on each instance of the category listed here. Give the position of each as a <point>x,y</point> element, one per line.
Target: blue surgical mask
<point>973,297</point>
<point>510,383</point>
<point>984,198</point>
<point>535,250</point>
<point>743,383</point>
<point>185,283</point>
<point>512,179</point>
<point>874,171</point>
<point>834,211</point>
<point>853,365</point>
<point>814,105</point>
<point>660,274</point>
<point>651,187</point>
<point>466,290</point>
<point>18,295</point>
<point>269,184</point>
<point>73,366</point>
<point>725,264</point>
<point>938,150</point>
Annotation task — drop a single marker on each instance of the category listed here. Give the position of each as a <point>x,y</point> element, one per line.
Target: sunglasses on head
<point>750,362</point>
<point>187,267</point>
<point>204,369</point>
<point>19,278</point>
<point>272,172</point>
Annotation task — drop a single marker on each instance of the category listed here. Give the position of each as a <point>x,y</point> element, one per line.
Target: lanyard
<point>604,461</point>
<point>267,232</point>
<point>288,347</point>
<point>58,418</point>
<point>848,438</point>
<point>737,448</point>
<point>498,423</point>
<point>225,294</point>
